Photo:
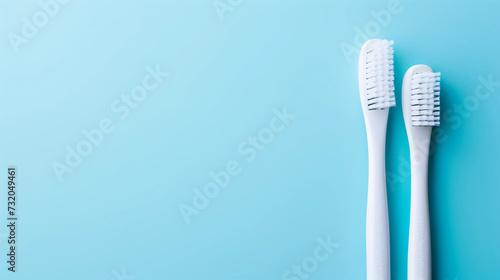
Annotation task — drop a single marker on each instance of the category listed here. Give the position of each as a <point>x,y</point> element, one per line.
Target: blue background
<point>118,211</point>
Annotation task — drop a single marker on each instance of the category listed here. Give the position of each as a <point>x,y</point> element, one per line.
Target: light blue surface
<point>117,213</point>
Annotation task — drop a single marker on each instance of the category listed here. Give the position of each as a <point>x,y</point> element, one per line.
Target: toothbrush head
<point>425,91</point>
<point>376,70</point>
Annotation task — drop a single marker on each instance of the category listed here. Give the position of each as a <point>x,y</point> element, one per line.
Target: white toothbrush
<point>376,88</point>
<point>421,112</point>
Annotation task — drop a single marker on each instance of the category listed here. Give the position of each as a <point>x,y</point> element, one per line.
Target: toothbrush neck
<point>419,153</point>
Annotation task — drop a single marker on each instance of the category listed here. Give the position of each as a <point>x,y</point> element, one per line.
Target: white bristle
<point>380,76</point>
<point>425,90</point>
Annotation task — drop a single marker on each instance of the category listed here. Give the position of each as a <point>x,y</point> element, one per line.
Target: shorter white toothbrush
<point>421,107</point>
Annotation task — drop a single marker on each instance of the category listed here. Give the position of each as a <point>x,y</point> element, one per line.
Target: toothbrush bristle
<point>380,76</point>
<point>425,91</point>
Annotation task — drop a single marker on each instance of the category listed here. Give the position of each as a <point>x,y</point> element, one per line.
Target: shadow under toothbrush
<point>397,189</point>
<point>438,214</point>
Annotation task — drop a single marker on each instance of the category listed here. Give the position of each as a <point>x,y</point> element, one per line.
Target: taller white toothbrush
<point>421,112</point>
<point>376,88</point>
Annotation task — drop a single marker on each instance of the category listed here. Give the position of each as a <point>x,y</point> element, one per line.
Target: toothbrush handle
<point>377,218</point>
<point>419,247</point>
